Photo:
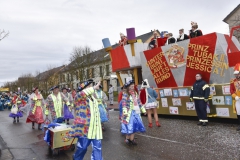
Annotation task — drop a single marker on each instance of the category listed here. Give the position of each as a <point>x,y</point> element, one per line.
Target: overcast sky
<point>44,32</point>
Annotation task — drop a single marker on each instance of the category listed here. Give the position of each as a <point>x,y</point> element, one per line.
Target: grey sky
<point>43,33</point>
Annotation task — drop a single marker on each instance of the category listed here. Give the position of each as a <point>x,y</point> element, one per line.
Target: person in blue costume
<point>25,97</point>
<point>67,110</point>
<point>2,100</point>
<point>102,105</point>
<point>131,119</point>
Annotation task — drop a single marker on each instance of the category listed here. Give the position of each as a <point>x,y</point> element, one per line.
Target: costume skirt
<point>151,105</point>
<point>37,116</point>
<point>19,114</point>
<point>103,113</point>
<point>67,113</point>
<point>135,124</point>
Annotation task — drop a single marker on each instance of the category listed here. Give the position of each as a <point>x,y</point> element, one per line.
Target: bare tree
<point>80,61</point>
<point>3,34</point>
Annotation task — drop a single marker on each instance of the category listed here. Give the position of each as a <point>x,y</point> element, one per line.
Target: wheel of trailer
<point>55,152</point>
<point>72,147</point>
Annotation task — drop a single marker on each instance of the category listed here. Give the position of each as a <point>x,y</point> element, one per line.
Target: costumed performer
<point>123,40</point>
<point>54,104</point>
<point>87,123</point>
<point>148,99</point>
<point>36,107</point>
<point>235,91</point>
<point>67,111</point>
<point>16,104</point>
<point>102,105</point>
<point>131,119</point>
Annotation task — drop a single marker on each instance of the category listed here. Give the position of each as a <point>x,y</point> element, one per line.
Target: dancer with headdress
<point>67,111</point>
<point>123,41</point>
<point>102,105</point>
<point>148,98</point>
<point>87,123</point>
<point>36,107</point>
<point>55,103</point>
<point>16,104</point>
<point>131,119</point>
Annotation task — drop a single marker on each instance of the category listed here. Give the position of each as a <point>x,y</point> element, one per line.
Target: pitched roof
<point>45,75</point>
<point>101,55</point>
<point>231,13</point>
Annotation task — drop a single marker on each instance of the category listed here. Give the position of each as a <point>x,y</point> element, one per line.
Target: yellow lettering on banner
<point>159,69</point>
<point>204,61</point>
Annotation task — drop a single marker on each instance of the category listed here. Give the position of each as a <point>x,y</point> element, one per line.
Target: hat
<point>193,23</point>
<point>64,88</point>
<point>34,89</point>
<point>236,68</point>
<point>54,87</point>
<point>122,35</point>
<point>129,83</point>
<point>145,84</point>
<point>84,84</point>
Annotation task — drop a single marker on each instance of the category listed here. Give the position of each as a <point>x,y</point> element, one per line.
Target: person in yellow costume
<point>55,105</point>
<point>235,90</point>
<point>36,106</point>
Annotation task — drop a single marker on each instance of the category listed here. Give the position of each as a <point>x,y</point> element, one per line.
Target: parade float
<point>171,70</point>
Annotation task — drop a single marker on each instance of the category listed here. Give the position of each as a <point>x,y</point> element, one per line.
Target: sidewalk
<point>5,154</point>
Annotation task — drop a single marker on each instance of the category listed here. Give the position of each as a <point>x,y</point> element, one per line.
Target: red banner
<point>158,65</point>
<point>200,58</point>
<point>119,59</point>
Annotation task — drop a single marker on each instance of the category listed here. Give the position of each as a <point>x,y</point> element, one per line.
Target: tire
<point>72,147</point>
<point>55,152</point>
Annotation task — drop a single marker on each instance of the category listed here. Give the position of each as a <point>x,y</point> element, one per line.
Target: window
<point>100,71</point>
<point>88,73</point>
<point>92,73</point>
<point>76,75</point>
<point>107,70</point>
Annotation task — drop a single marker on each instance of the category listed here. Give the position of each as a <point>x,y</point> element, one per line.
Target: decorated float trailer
<point>171,70</point>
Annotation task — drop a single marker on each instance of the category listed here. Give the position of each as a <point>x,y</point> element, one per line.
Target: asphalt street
<point>176,139</point>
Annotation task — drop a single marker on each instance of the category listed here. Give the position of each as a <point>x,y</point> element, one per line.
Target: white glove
<point>236,98</point>
<point>97,86</point>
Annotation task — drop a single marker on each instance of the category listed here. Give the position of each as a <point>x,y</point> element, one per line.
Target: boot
<point>33,125</point>
<point>150,125</point>
<point>127,141</point>
<point>18,120</point>
<point>14,120</point>
<point>158,124</point>
<point>39,126</point>
<point>132,142</point>
<point>67,121</point>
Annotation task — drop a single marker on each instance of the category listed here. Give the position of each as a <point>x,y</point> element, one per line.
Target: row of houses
<point>84,65</point>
